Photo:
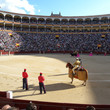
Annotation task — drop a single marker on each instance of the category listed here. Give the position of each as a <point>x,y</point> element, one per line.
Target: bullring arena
<point>45,44</point>
<point>57,83</point>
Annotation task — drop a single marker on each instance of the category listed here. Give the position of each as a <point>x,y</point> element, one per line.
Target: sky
<point>65,7</point>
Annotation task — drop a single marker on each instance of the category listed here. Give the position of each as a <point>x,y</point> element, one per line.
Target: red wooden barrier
<point>49,105</point>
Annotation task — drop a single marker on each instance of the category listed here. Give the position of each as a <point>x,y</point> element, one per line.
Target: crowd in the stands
<point>49,42</point>
<point>33,106</point>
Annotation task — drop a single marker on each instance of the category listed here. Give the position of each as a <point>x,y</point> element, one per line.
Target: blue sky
<point>66,7</point>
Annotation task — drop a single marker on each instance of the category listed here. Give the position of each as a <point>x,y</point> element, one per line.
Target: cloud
<point>39,11</point>
<point>18,6</point>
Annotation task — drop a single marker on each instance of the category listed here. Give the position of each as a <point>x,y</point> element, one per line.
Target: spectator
<point>6,107</point>
<point>90,108</point>
<point>31,106</point>
<point>13,108</point>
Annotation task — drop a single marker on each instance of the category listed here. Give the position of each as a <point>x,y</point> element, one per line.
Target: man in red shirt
<point>41,83</point>
<point>25,76</point>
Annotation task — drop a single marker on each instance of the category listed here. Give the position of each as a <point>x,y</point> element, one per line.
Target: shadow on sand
<point>49,87</point>
<point>58,75</point>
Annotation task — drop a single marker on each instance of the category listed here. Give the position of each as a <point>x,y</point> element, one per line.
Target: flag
<point>103,36</point>
<point>17,44</point>
<point>98,45</point>
<point>57,36</point>
<point>10,34</point>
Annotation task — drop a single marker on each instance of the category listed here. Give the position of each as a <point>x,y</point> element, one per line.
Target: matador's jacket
<point>76,64</point>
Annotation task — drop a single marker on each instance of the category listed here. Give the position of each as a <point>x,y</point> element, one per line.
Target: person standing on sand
<point>25,76</point>
<point>41,83</point>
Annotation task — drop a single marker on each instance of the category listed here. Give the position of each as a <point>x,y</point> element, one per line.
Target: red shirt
<point>41,78</point>
<point>24,75</point>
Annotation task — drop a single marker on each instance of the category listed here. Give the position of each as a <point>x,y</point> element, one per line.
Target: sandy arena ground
<point>57,83</point>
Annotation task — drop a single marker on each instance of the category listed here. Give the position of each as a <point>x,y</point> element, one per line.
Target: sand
<point>57,82</point>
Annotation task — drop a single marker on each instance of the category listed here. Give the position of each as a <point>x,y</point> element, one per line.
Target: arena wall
<point>21,104</point>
